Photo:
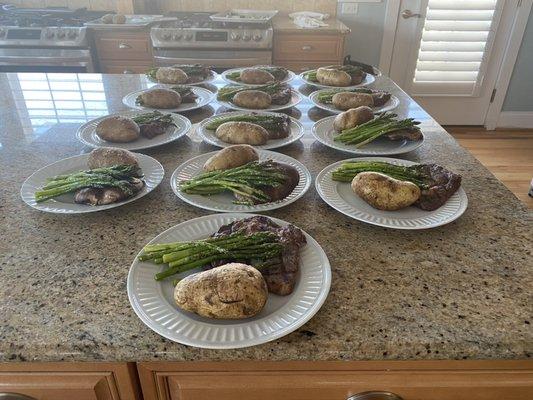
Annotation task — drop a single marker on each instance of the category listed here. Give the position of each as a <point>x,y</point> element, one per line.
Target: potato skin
<point>171,75</point>
<point>256,76</point>
<point>119,19</point>
<point>383,192</point>
<point>353,117</point>
<point>242,133</point>
<point>333,77</point>
<point>118,129</point>
<point>231,291</point>
<point>160,98</point>
<point>346,100</point>
<point>253,99</point>
<point>109,156</point>
<point>231,157</point>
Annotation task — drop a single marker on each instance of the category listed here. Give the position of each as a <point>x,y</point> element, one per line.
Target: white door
<point>447,54</point>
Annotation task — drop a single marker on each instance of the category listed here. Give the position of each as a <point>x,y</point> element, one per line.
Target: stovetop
<point>202,20</point>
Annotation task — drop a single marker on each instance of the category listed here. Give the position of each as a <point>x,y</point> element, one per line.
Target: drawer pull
<point>126,71</point>
<point>15,396</point>
<point>124,46</point>
<point>375,396</point>
<point>307,47</point>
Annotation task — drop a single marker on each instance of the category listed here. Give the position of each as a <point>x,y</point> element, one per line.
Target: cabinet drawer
<point>337,381</point>
<point>308,47</point>
<point>124,47</point>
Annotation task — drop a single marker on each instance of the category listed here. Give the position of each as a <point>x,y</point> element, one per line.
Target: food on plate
<point>254,99</point>
<point>383,192</point>
<point>231,291</point>
<point>280,94</point>
<point>278,73</point>
<point>252,183</point>
<point>379,97</point>
<point>231,157</point>
<point>107,18</point>
<point>242,133</point>
<point>195,73</point>
<point>278,126</point>
<point>384,125</point>
<point>257,241</point>
<point>346,100</point>
<point>256,76</point>
<point>159,98</point>
<point>153,124</point>
<point>353,117</point>
<point>119,19</point>
<point>436,183</point>
<point>171,75</point>
<point>336,75</point>
<point>118,129</point>
<point>114,175</point>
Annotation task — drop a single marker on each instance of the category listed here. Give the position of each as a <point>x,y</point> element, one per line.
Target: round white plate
<point>389,105</point>
<point>296,98</point>
<point>367,81</point>
<point>204,98</point>
<point>153,175</point>
<point>297,131</point>
<point>212,76</point>
<point>153,301</point>
<point>323,132</point>
<point>87,133</point>
<point>291,75</point>
<point>224,202</point>
<point>340,196</point>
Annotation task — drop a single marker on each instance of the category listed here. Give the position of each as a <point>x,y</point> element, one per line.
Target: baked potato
<point>232,291</point>
<point>253,99</point>
<point>383,192</point>
<point>118,129</point>
<point>333,77</point>
<point>256,76</point>
<point>160,98</point>
<point>231,157</point>
<point>353,117</point>
<point>171,75</point>
<point>346,100</point>
<point>119,19</point>
<point>107,18</point>
<point>109,156</point>
<point>242,133</point>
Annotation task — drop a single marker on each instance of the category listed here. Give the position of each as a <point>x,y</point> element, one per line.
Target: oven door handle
<point>207,61</point>
<point>49,60</point>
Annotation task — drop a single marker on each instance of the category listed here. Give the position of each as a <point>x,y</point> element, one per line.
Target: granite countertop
<point>455,292</point>
<point>283,24</point>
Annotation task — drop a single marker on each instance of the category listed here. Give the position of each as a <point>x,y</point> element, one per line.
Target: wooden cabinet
<point>70,381</point>
<point>123,51</point>
<point>440,380</point>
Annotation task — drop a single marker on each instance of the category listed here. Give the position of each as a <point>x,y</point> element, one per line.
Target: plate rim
<point>214,76</point>
<point>206,137</point>
<point>366,82</point>
<point>394,99</point>
<point>224,74</point>
<point>321,298</point>
<point>90,209</point>
<point>359,152</point>
<point>321,175</point>
<point>128,113</point>
<point>265,207</point>
<point>230,105</point>
<point>210,99</point>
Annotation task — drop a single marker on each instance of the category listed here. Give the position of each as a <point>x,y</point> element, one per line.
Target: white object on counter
<point>309,19</point>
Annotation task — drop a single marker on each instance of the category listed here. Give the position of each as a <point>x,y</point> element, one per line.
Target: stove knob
<point>188,36</point>
<point>49,34</point>
<point>246,37</point>
<point>72,34</point>
<point>258,37</point>
<point>177,36</point>
<point>235,36</point>
<point>60,34</point>
<point>166,36</point>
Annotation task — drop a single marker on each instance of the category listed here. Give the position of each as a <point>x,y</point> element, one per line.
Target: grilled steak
<point>281,275</point>
<point>380,98</point>
<point>282,96</point>
<point>442,185</point>
<point>105,195</point>
<point>282,130</point>
<point>153,129</point>
<point>409,134</point>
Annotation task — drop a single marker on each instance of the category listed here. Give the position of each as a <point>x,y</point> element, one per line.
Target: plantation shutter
<point>455,44</point>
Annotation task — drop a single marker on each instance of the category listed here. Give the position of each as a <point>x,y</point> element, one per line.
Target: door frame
<point>505,57</point>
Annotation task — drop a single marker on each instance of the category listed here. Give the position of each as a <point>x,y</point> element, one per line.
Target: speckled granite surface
<point>459,291</point>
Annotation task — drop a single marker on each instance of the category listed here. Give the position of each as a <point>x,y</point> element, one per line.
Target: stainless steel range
<point>195,38</point>
<point>44,40</point>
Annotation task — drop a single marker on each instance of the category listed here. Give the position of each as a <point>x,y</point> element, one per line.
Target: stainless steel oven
<point>218,59</point>
<point>45,60</point>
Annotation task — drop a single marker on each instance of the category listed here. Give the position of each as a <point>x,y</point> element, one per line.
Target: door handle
<point>375,395</point>
<point>124,46</point>
<point>307,48</point>
<point>15,396</point>
<point>406,14</point>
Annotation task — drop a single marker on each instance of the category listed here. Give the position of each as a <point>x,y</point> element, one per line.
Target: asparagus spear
<point>228,92</point>
<point>269,122</point>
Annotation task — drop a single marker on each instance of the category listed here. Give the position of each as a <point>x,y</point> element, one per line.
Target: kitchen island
<point>461,291</point>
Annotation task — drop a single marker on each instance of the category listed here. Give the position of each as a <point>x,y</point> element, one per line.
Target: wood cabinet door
<point>338,381</point>
<point>307,47</point>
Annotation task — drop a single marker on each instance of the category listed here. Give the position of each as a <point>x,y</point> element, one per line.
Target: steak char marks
<point>281,276</point>
<point>442,185</point>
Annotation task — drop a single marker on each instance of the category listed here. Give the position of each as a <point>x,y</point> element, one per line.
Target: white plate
<point>204,98</point>
<point>389,105</point>
<point>291,75</point>
<point>87,133</point>
<point>297,131</point>
<point>323,132</point>
<point>340,196</point>
<point>153,301</point>
<point>212,76</point>
<point>224,202</point>
<point>369,78</point>
<point>153,175</point>
<point>296,98</point>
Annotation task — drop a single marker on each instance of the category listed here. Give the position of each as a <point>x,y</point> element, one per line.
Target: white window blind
<point>455,45</point>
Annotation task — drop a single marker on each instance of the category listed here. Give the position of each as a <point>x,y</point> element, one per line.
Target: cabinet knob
<point>375,396</point>
<point>126,71</point>
<point>124,46</point>
<point>15,396</point>
<point>307,48</point>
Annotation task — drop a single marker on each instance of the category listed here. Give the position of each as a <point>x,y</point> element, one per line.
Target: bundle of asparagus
<point>155,117</point>
<point>228,92</point>
<point>270,122</point>
<point>192,70</point>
